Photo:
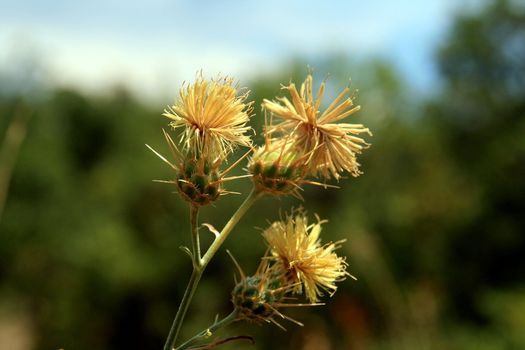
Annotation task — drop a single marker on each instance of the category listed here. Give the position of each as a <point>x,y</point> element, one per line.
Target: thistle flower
<point>296,248</point>
<point>199,180</point>
<point>332,146</point>
<point>277,170</point>
<point>213,116</point>
<point>258,298</point>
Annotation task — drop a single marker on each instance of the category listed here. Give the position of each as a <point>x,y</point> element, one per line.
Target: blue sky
<point>153,46</point>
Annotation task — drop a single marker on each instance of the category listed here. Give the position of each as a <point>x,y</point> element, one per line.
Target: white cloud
<point>153,46</point>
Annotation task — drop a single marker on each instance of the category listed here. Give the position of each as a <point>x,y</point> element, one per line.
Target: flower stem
<point>183,307</point>
<point>208,332</point>
<point>195,242</point>
<point>199,265</point>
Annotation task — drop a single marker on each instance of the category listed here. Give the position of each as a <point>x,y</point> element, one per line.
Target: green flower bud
<point>198,181</point>
<point>255,297</point>
<point>276,172</point>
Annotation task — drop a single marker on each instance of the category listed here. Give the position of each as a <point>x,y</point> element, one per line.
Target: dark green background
<point>434,228</point>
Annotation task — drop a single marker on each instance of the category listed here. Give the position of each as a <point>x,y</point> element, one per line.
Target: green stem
<point>195,242</point>
<point>193,282</point>
<point>208,332</point>
<point>183,307</point>
<point>199,265</point>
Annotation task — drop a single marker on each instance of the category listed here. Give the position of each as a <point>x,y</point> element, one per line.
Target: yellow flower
<point>213,116</point>
<point>296,248</point>
<point>331,146</point>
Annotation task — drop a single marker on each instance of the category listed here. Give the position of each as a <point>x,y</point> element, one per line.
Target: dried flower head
<point>295,247</point>
<point>258,298</point>
<point>199,180</point>
<point>213,116</point>
<point>332,147</point>
<point>277,170</point>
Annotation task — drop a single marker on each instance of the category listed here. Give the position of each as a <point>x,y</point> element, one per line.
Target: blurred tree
<point>481,117</point>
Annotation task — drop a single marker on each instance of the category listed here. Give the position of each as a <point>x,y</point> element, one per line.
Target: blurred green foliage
<point>434,228</point>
